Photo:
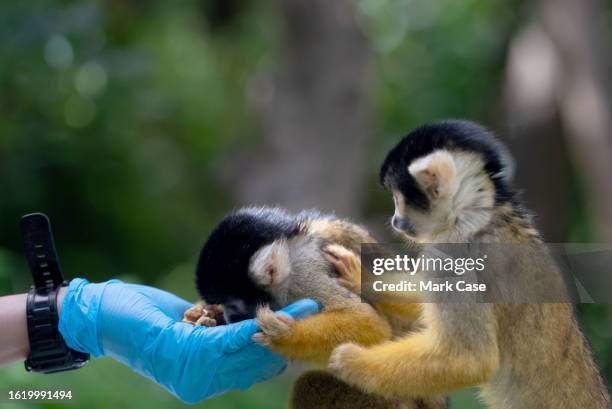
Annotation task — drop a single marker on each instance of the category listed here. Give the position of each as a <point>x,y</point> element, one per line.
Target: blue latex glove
<point>140,327</point>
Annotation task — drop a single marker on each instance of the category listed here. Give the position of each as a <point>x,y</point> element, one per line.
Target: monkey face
<point>434,176</point>
<point>236,310</point>
<point>411,221</point>
<point>446,177</point>
<point>400,219</point>
<point>238,254</point>
<point>456,187</point>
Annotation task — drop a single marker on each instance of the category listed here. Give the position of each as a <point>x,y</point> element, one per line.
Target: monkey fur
<point>451,183</point>
<point>321,390</point>
<point>259,259</point>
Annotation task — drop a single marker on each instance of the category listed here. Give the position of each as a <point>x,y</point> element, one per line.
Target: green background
<point>117,118</point>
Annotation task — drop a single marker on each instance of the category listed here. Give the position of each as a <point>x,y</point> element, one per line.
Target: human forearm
<point>141,327</point>
<point>14,342</point>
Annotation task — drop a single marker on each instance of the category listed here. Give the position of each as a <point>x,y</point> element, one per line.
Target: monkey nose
<point>396,222</point>
<point>402,225</point>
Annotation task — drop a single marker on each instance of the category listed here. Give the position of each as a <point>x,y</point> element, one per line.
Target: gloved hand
<point>140,326</point>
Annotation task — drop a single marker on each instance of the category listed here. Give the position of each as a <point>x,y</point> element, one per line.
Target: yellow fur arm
<point>408,312</point>
<point>347,263</point>
<point>314,338</point>
<point>417,365</point>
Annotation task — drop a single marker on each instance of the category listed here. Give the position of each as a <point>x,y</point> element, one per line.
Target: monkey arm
<point>408,312</point>
<point>406,306</point>
<point>421,364</point>
<point>347,263</point>
<point>314,338</point>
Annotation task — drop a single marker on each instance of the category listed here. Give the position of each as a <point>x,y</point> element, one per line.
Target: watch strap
<point>48,350</point>
<point>40,251</point>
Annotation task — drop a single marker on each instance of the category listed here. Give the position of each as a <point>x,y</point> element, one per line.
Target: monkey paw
<point>344,363</point>
<point>273,326</point>
<point>206,315</point>
<point>347,264</point>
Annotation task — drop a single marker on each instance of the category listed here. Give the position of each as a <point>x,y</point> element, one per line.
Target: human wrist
<point>61,294</point>
<point>79,316</point>
<point>14,343</point>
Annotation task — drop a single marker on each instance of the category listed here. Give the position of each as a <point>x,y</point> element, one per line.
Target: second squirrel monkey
<point>451,184</point>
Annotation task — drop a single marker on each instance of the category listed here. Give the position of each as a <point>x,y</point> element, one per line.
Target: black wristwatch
<point>48,350</point>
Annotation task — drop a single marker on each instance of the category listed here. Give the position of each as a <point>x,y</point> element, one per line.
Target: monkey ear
<point>270,265</point>
<point>436,174</point>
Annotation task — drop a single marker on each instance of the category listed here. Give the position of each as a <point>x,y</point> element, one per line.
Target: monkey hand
<point>273,326</point>
<point>206,315</point>
<point>345,363</point>
<point>347,264</point>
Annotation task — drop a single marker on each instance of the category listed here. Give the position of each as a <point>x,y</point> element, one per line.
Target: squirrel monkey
<point>451,184</point>
<point>261,259</point>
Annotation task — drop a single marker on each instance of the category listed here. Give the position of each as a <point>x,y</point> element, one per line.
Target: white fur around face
<point>436,174</point>
<point>270,266</point>
<point>461,195</point>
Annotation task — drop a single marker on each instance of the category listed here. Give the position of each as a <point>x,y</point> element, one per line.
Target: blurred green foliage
<point>115,118</point>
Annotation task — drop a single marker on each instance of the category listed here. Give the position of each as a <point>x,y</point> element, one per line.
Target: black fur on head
<point>450,135</point>
<point>222,270</point>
